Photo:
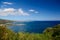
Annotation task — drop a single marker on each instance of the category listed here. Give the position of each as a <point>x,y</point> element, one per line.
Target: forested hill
<point>3,21</point>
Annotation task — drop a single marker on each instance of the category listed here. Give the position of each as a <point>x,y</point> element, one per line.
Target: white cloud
<point>34,11</point>
<point>31,10</point>
<point>8,3</point>
<point>9,10</point>
<point>12,11</point>
<point>22,12</point>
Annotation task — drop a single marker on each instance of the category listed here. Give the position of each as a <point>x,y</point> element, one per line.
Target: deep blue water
<point>33,26</point>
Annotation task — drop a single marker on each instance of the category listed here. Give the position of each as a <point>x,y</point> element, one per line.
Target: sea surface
<point>32,26</point>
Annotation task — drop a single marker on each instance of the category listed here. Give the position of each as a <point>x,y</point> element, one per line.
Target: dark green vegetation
<point>48,34</point>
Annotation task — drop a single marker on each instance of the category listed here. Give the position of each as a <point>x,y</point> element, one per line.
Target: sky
<point>30,10</point>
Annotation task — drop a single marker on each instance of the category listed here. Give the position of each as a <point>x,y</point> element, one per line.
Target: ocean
<point>32,26</point>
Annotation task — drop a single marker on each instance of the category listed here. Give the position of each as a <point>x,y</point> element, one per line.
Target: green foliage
<point>6,34</point>
<point>53,33</point>
<point>48,34</point>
